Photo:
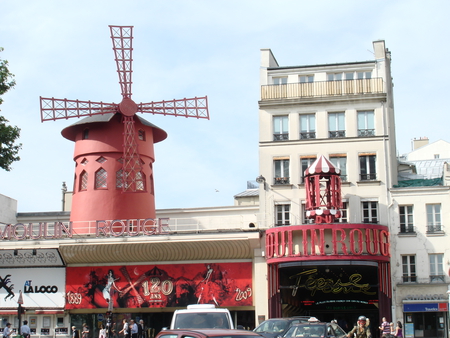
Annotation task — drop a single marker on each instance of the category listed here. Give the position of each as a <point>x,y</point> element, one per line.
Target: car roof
<point>290,318</point>
<point>210,332</point>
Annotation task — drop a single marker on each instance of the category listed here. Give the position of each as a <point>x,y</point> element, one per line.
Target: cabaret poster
<point>159,286</point>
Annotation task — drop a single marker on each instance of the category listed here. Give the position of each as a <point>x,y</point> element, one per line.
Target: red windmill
<point>127,192</point>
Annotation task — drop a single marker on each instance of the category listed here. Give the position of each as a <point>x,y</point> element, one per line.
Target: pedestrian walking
<point>399,330</point>
<point>361,330</point>
<point>25,329</point>
<point>7,332</point>
<point>385,328</point>
<point>75,333</point>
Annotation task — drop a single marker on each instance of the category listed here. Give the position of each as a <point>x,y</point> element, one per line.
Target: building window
<point>367,167</point>
<point>306,78</point>
<point>370,212</point>
<point>363,75</point>
<point>334,76</point>
<point>307,126</point>
<point>366,124</point>
<point>340,162</point>
<point>281,169</point>
<point>336,125</point>
<point>280,80</point>
<point>436,267</point>
<point>406,218</point>
<point>100,179</point>
<point>409,268</point>
<point>306,163</point>
<point>280,128</point>
<point>83,180</point>
<point>433,218</point>
<point>344,214</point>
<point>282,212</point>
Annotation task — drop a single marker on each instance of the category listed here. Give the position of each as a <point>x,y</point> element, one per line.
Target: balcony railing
<point>322,89</point>
<point>307,135</point>
<point>432,228</point>
<point>437,278</point>
<point>409,279</point>
<point>281,180</point>
<point>366,132</point>
<point>407,229</point>
<point>413,279</point>
<point>368,177</point>
<point>281,137</point>
<point>336,134</point>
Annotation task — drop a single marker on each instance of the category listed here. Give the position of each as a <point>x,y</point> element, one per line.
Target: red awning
<point>49,312</point>
<point>8,312</point>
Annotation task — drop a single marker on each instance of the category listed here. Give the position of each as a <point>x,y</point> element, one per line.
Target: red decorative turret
<point>114,147</point>
<point>323,191</point>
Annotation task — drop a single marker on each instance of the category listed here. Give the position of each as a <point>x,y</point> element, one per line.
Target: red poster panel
<point>177,285</point>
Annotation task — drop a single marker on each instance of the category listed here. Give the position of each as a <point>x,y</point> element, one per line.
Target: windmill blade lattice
<point>122,38</point>
<point>55,109</point>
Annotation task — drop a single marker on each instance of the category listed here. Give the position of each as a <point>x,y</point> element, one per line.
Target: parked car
<point>277,327</point>
<point>315,329</point>
<point>201,316</point>
<point>205,333</point>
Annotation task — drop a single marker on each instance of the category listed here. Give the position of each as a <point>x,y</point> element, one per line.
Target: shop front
<point>40,291</point>
<point>330,271</point>
<point>425,316</point>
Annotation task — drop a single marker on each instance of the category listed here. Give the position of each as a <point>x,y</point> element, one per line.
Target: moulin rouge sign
<point>326,241</point>
<point>115,228</point>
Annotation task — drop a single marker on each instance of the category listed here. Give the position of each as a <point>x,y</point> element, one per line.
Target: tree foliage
<point>8,134</point>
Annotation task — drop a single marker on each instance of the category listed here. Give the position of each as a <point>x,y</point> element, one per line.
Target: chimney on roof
<point>417,143</point>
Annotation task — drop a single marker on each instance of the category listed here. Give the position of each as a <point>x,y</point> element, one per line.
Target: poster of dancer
<point>135,286</point>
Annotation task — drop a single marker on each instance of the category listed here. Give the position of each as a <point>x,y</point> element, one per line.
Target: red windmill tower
<point>323,191</point>
<point>114,149</point>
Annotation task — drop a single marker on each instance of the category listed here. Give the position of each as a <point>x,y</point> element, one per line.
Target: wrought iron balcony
<point>366,132</point>
<point>281,137</point>
<point>336,134</point>
<point>368,177</point>
<point>308,135</point>
<point>322,89</point>
<point>281,180</point>
<point>434,228</point>
<point>437,278</point>
<point>409,279</point>
<point>407,229</point>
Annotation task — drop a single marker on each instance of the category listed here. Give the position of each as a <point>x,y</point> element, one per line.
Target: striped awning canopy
<point>322,166</point>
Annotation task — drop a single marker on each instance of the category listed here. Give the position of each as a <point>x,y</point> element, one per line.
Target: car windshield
<point>273,326</point>
<point>306,330</point>
<point>202,321</point>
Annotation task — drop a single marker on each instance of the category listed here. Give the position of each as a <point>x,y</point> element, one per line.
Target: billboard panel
<point>41,287</point>
<point>175,285</point>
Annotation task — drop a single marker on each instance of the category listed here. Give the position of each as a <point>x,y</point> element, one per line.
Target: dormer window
<point>141,135</point>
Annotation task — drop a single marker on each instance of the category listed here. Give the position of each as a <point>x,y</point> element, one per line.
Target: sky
<point>189,48</point>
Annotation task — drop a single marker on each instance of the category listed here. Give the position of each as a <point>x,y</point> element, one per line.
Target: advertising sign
<point>158,286</point>
<point>425,307</point>
<point>41,287</point>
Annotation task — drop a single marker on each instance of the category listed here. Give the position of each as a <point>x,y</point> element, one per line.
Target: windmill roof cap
<point>70,131</point>
<point>322,166</point>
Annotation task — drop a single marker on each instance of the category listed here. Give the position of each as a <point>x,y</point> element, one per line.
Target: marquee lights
<point>103,228</point>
